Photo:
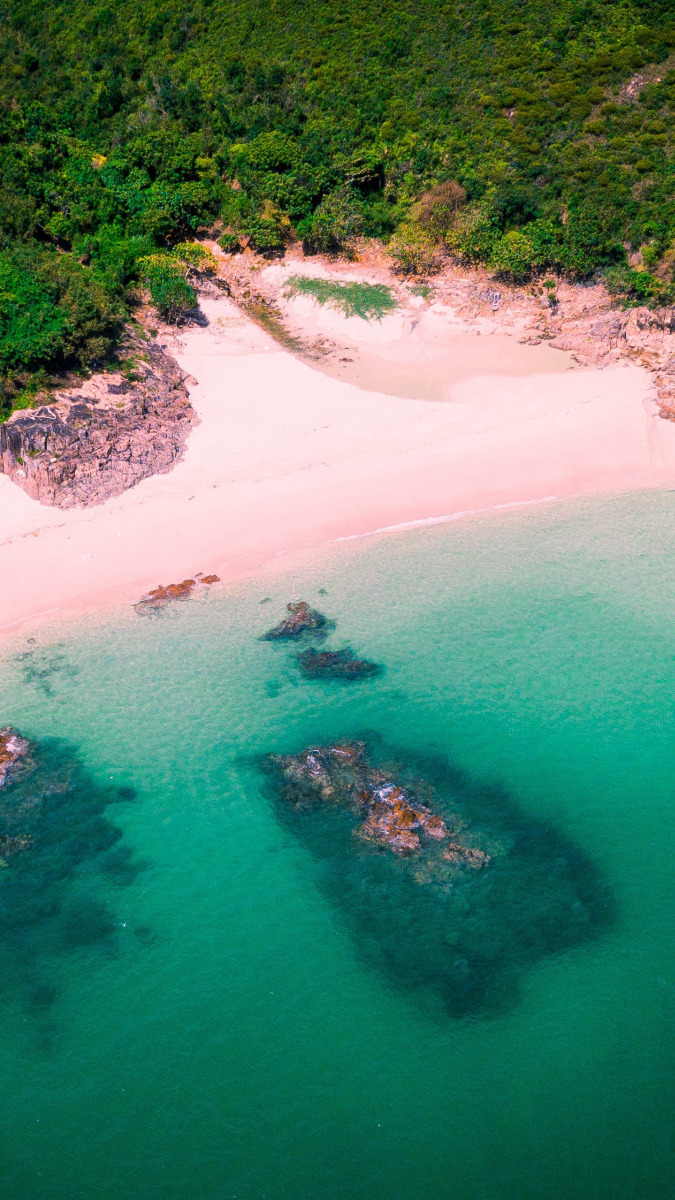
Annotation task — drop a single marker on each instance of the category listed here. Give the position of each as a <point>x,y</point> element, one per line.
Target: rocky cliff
<point>95,441</point>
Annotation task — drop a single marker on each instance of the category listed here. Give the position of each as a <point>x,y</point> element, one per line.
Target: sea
<point>204,999</point>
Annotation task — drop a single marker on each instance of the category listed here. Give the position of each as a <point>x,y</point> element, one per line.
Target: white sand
<point>286,457</point>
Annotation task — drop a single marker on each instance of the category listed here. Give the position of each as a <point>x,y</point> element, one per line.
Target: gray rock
<point>99,440</point>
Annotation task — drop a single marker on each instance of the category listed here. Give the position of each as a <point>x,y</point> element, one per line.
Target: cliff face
<point>97,441</point>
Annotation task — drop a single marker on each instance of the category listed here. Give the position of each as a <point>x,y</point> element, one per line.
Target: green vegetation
<point>530,138</point>
<point>367,300</point>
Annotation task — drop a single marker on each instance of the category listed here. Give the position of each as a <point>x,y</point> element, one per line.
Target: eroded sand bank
<point>286,456</point>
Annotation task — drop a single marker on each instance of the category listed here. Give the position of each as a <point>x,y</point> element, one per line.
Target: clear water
<point>215,1032</point>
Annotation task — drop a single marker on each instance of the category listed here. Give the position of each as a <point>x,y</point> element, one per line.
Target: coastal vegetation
<point>530,140</point>
<point>366,300</point>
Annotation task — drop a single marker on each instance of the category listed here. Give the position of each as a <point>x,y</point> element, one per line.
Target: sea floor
<point>191,1010</point>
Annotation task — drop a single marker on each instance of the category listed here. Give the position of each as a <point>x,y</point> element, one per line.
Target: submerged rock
<point>446,887</point>
<point>301,620</point>
<point>164,594</point>
<point>54,836</point>
<point>336,664</point>
<point>14,754</point>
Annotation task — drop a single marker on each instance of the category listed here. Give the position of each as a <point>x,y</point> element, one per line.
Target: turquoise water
<point>190,1015</point>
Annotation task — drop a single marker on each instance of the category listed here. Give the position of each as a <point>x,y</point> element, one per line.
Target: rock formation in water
<point>447,888</point>
<point>14,755</point>
<point>301,620</point>
<point>95,442</point>
<point>54,835</point>
<point>336,664</point>
<point>391,815</point>
<point>164,594</point>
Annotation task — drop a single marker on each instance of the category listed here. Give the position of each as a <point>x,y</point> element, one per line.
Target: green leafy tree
<point>170,292</point>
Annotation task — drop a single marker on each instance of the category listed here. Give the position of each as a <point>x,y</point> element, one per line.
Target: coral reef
<point>301,620</point>
<point>336,664</point>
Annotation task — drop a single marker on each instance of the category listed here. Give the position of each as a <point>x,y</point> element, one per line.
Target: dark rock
<point>301,620</point>
<point>336,664</point>
<point>84,448</point>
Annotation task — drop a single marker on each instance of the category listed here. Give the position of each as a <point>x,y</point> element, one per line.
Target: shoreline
<point>286,457</point>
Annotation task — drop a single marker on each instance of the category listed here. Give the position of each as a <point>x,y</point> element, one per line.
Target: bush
<point>166,277</point>
<point>474,233</point>
<point>197,257</point>
<point>337,220</point>
<point>230,243</point>
<point>414,252</point>
<point>514,257</point>
<point>437,208</point>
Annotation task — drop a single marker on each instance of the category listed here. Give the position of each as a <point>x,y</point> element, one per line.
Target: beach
<point>287,455</point>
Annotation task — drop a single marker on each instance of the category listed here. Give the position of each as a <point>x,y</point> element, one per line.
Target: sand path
<point>285,457</point>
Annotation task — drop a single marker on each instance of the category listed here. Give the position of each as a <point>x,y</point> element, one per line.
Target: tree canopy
<point>528,137</point>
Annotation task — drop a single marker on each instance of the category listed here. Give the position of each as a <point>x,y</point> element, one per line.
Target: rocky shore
<point>97,440</point>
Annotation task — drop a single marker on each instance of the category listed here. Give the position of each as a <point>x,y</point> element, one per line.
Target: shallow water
<point>196,1018</point>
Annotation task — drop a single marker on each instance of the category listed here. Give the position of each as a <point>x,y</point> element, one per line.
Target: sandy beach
<point>287,456</point>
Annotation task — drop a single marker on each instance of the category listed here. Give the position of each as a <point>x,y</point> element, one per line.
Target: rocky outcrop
<point>163,594</point>
<point>392,815</point>
<point>336,664</point>
<point>445,886</point>
<point>96,441</point>
<point>14,755</point>
<point>301,620</point>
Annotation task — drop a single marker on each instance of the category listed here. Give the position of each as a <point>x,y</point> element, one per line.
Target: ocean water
<point>194,1009</point>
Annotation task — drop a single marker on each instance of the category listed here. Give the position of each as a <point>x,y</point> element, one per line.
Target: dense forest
<point>529,137</point>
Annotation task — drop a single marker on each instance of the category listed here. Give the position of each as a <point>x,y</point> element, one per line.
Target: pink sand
<point>286,457</point>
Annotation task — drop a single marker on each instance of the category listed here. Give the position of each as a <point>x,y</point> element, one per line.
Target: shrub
<point>474,233</point>
<point>199,258</point>
<point>414,252</point>
<point>166,277</point>
<point>437,208</point>
<point>514,257</point>
<point>52,311</point>
<point>333,224</point>
<point>230,243</point>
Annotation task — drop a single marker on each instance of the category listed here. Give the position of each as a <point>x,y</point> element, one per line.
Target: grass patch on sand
<point>367,300</point>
